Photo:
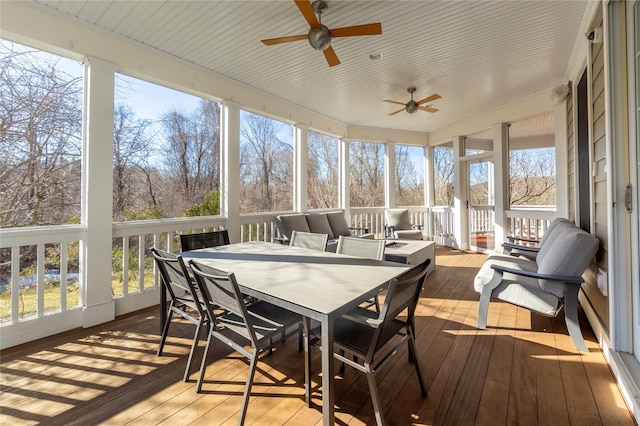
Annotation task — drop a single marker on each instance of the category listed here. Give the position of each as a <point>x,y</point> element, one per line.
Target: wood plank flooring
<point>521,370</point>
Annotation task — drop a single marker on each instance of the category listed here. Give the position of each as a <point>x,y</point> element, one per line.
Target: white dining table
<point>315,284</point>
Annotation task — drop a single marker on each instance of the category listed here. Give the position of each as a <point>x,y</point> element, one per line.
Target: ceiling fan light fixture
<point>319,38</point>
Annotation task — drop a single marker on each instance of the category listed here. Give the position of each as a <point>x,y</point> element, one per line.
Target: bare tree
<point>132,146</point>
<point>266,165</point>
<point>323,170</point>
<point>367,174</point>
<point>40,135</point>
<point>443,176</point>
<point>533,177</point>
<point>409,182</point>
<point>191,156</point>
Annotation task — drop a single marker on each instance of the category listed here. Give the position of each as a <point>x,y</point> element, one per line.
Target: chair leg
<point>165,332</point>
<point>571,317</point>
<point>194,345</point>
<point>375,398</point>
<point>247,388</point>
<point>414,356</point>
<point>203,364</point>
<point>485,296</point>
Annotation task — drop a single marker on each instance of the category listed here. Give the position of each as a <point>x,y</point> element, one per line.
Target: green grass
<point>28,299</point>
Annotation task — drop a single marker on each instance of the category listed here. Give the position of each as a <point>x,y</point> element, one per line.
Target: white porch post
<point>429,189</point>
<point>461,183</point>
<point>390,175</point>
<point>301,164</point>
<point>97,190</point>
<point>344,195</point>
<point>230,168</point>
<point>501,180</point>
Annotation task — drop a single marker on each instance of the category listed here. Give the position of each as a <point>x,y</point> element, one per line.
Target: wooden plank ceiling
<point>476,55</point>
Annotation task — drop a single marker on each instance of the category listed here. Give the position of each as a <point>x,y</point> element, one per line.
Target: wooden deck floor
<point>522,370</point>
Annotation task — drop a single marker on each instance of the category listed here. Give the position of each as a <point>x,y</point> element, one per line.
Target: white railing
<point>482,219</point>
<point>530,222</point>
<point>23,284</point>
<point>442,225</point>
<point>373,218</point>
<point>134,281</point>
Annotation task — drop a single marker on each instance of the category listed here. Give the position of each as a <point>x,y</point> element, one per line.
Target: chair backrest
<point>204,240</point>
<point>309,240</point>
<point>398,219</point>
<point>287,223</point>
<point>361,247</point>
<point>569,255</point>
<point>339,224</point>
<point>173,274</point>
<point>220,290</point>
<point>552,229</point>
<point>403,293</point>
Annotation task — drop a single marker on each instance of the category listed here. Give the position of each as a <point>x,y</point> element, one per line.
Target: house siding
<point>600,212</point>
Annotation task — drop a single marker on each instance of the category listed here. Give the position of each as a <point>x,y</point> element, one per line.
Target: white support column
<point>429,189</point>
<point>429,177</point>
<point>501,180</point>
<point>390,175</point>
<point>230,168</point>
<point>461,194</point>
<point>562,172</point>
<point>301,165</point>
<point>97,190</point>
<point>344,195</point>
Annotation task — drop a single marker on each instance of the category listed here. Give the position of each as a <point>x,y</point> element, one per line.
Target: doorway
<point>481,205</point>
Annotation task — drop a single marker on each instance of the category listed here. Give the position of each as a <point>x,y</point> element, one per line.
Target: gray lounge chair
<point>545,285</point>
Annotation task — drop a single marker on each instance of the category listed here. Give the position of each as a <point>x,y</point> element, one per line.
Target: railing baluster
<point>15,284</point>
<point>63,276</point>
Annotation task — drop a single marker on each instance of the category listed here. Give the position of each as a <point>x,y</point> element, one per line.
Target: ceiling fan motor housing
<point>411,106</point>
<point>319,38</point>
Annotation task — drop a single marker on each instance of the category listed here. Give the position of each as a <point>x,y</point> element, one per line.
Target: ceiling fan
<point>412,106</point>
<point>319,36</point>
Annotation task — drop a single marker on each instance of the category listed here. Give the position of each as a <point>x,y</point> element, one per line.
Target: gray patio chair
<point>309,240</point>
<point>373,338</point>
<point>545,285</point>
<point>204,240</point>
<point>398,225</point>
<point>256,324</point>
<point>363,247</point>
<point>183,299</point>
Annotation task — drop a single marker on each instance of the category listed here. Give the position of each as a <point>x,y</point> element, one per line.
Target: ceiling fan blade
<point>331,56</point>
<point>394,113</point>
<point>394,102</point>
<point>421,108</point>
<point>357,30</point>
<point>278,40</point>
<point>308,13</point>
<point>433,97</point>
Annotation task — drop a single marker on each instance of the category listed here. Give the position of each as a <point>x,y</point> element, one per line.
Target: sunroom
<point>552,85</point>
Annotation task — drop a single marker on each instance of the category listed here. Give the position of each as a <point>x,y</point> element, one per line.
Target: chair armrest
<point>513,239</point>
<point>365,230</point>
<point>521,248</point>
<point>523,273</point>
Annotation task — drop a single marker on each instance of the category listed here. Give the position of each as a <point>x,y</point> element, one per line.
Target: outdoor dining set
<point>252,296</point>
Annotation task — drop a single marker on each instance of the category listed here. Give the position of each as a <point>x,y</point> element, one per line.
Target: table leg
<point>328,392</point>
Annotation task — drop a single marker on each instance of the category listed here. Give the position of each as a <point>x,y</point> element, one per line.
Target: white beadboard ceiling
<point>478,55</point>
